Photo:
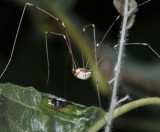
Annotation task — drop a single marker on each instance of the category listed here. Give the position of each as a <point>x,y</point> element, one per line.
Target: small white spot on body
<point>97,45</point>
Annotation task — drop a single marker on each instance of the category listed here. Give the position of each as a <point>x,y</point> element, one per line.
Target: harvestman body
<point>81,73</point>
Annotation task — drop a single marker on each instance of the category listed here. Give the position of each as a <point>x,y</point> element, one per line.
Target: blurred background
<point>140,75</point>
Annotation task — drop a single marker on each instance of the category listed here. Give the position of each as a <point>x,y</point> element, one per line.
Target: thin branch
<point>117,69</point>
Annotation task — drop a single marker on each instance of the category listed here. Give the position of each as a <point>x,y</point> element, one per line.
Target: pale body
<point>82,73</point>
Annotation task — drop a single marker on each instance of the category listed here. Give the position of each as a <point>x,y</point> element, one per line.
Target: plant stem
<point>117,71</point>
<point>126,108</point>
<point>135,104</point>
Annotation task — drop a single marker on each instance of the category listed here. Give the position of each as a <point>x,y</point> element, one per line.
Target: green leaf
<point>23,109</point>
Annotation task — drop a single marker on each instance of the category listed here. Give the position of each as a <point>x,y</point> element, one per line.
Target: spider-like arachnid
<point>83,72</point>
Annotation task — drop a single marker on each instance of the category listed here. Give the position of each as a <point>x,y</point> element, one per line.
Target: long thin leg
<point>94,51</point>
<point>127,44</point>
<point>145,44</point>
<point>14,43</point>
<point>144,3</point>
<point>105,55</point>
<point>94,34</point>
<point>46,43</point>
<point>63,25</point>
<point>20,22</point>
<point>75,64</point>
<point>83,33</point>
<point>48,65</point>
<point>99,44</point>
<point>108,31</point>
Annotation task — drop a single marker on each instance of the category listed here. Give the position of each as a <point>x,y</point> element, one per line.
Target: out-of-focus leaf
<point>67,6</point>
<point>27,110</point>
<point>119,5</point>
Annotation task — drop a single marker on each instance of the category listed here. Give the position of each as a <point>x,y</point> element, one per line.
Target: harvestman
<point>81,73</point>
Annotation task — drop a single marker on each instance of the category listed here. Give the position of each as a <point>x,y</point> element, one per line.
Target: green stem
<point>126,108</point>
<point>135,104</point>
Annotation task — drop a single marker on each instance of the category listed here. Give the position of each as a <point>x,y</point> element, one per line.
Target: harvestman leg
<point>95,51</point>
<point>20,22</point>
<point>145,44</point>
<point>96,47</point>
<point>46,43</point>
<point>128,44</point>
<point>99,44</point>
<point>115,46</point>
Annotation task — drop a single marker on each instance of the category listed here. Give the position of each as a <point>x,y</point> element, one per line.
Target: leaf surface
<point>23,109</point>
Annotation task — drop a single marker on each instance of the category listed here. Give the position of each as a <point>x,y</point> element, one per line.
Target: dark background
<point>28,66</point>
